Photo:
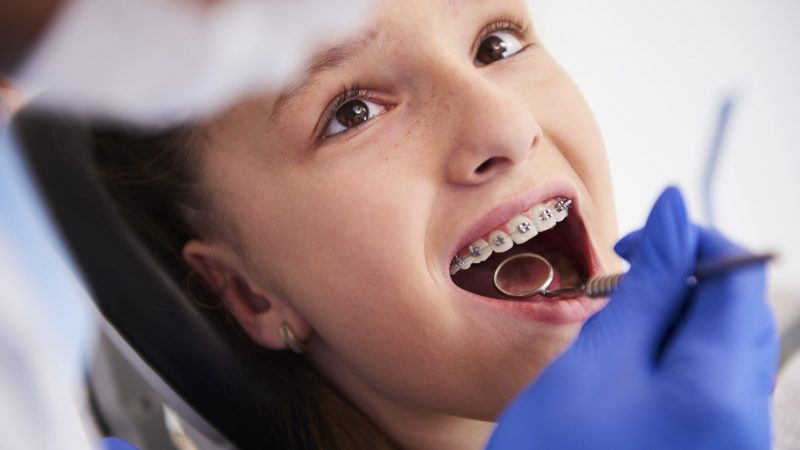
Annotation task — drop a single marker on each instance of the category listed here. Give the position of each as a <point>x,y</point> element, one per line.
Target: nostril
<point>484,167</point>
<point>488,164</point>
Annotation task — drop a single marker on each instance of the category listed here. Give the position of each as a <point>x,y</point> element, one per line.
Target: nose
<point>492,131</point>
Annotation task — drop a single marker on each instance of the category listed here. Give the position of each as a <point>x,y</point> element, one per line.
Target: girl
<point>350,222</point>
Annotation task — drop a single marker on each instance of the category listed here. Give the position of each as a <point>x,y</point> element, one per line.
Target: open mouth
<point>552,229</point>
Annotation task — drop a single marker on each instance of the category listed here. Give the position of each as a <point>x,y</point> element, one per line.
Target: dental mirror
<point>523,275</point>
<point>527,274</point>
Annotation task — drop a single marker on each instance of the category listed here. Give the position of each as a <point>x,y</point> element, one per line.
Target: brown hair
<point>154,180</point>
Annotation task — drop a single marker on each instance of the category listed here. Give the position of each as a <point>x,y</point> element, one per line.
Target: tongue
<point>479,278</point>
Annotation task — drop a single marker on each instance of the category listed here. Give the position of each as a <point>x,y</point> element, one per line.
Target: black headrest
<point>135,296</point>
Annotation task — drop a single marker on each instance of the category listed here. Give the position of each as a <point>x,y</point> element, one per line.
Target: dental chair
<point>163,376</point>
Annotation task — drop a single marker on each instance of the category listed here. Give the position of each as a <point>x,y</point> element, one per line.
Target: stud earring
<point>291,340</point>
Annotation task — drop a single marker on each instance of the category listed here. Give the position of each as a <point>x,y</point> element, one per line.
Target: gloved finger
<point>729,333</point>
<point>115,443</point>
<point>651,294</point>
<point>626,246</point>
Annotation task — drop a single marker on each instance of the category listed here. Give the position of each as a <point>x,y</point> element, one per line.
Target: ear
<point>258,313</point>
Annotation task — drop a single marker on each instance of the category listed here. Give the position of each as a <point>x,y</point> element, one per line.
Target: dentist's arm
<point>151,61</point>
<point>664,365</point>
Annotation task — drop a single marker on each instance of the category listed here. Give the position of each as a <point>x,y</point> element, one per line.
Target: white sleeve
<point>39,409</point>
<point>154,60</point>
<point>44,323</point>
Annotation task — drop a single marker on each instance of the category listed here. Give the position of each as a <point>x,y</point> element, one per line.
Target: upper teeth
<point>518,230</point>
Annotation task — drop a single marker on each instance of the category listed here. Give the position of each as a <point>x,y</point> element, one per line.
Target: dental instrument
<point>528,274</point>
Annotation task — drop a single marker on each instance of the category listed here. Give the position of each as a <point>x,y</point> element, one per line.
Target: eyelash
<point>356,92</point>
<point>503,23</point>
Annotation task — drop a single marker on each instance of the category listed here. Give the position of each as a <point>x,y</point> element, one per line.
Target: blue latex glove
<point>664,365</point>
<point>115,443</point>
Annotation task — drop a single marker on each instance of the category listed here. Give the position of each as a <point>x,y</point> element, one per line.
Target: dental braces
<point>561,205</point>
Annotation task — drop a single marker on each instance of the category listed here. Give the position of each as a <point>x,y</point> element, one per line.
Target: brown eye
<point>352,113</point>
<point>496,46</point>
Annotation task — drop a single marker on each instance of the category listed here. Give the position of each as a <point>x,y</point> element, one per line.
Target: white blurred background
<point>656,75</point>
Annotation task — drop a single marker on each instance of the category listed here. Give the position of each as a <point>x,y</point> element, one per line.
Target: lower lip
<point>551,311</point>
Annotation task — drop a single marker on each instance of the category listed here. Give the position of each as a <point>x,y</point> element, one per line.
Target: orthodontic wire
<point>562,204</point>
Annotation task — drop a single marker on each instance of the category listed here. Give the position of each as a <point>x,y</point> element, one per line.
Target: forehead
<point>390,23</point>
<point>387,15</point>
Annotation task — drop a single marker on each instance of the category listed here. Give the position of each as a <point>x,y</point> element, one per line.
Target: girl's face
<point>343,199</point>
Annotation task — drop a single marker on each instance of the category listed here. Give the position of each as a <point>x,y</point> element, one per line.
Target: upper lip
<point>499,215</point>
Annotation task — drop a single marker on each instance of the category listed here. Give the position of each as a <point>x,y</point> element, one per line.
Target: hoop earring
<point>291,340</point>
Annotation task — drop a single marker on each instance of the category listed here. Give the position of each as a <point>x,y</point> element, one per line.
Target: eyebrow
<point>326,60</point>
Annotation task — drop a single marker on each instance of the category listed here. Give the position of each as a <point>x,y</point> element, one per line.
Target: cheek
<point>566,119</point>
<point>332,237</point>
<point>572,127</point>
<point>561,111</point>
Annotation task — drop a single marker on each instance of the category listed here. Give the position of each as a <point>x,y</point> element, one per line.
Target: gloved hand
<point>664,365</point>
<point>115,443</point>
